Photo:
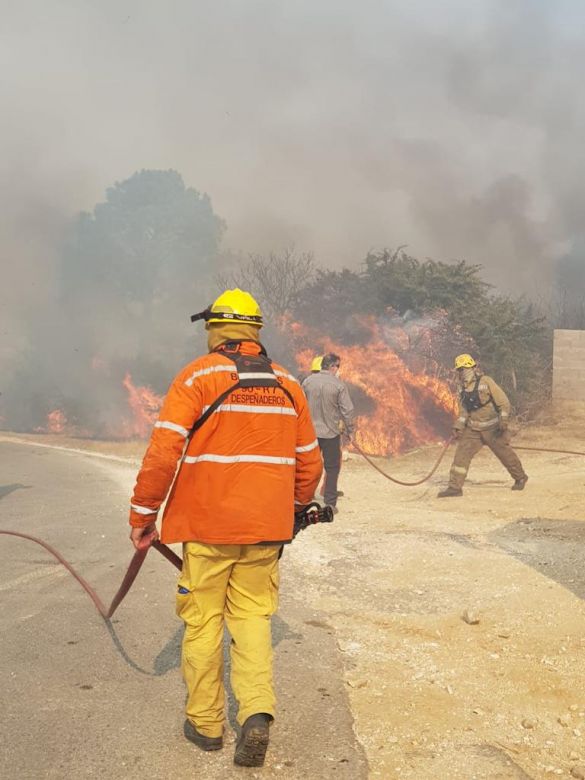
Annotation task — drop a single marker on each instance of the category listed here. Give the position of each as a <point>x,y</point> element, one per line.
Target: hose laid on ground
<point>140,554</point>
<point>545,449</point>
<point>131,572</point>
<point>399,481</point>
<point>440,458</point>
<point>312,513</point>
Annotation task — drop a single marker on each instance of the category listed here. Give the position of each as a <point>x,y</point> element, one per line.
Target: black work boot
<point>450,491</point>
<point>520,484</point>
<point>253,741</point>
<point>203,742</point>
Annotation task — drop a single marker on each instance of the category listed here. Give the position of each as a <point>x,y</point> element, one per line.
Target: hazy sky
<point>456,127</point>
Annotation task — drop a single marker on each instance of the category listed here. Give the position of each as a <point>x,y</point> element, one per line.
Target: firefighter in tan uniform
<point>484,411</point>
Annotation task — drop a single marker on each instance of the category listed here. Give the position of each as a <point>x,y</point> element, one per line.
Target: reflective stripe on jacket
<point>242,471</point>
<point>489,415</point>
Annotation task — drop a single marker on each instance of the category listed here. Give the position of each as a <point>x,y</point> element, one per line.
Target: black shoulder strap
<point>475,393</point>
<point>463,393</point>
<point>253,371</point>
<point>212,407</point>
<point>491,398</point>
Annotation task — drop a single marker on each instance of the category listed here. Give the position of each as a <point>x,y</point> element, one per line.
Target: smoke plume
<point>453,127</point>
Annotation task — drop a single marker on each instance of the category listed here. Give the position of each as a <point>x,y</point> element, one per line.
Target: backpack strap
<point>471,401</point>
<point>252,370</point>
<point>212,408</point>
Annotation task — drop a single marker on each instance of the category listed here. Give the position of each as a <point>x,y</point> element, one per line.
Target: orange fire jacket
<point>242,472</point>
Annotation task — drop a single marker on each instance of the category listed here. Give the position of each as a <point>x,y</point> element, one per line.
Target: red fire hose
<point>399,481</point>
<point>129,577</point>
<point>140,554</point>
<point>440,458</point>
<point>546,449</point>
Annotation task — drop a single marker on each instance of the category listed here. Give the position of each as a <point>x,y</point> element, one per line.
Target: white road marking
<point>101,455</point>
<point>54,570</point>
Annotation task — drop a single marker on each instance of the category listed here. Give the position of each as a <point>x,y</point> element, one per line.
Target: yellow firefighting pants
<point>238,584</point>
<point>471,442</point>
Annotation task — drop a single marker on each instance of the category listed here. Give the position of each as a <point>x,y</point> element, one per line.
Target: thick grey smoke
<point>453,127</point>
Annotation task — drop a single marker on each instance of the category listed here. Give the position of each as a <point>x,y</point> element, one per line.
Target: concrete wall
<point>569,365</point>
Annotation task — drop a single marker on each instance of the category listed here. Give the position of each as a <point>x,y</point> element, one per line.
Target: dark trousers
<point>331,451</point>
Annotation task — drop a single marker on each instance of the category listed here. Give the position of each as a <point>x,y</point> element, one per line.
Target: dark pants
<point>331,451</point>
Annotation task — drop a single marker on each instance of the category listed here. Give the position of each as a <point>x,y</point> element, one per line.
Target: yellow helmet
<point>316,363</point>
<point>235,306</point>
<point>464,361</point>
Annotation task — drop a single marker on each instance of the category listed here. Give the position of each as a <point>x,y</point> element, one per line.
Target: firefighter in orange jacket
<point>240,427</point>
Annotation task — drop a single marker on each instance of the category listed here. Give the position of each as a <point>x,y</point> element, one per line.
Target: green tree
<point>151,238</point>
<point>394,278</point>
<point>131,273</point>
<point>136,267</point>
<point>509,336</point>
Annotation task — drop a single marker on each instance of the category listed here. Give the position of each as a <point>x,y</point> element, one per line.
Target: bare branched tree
<point>276,279</point>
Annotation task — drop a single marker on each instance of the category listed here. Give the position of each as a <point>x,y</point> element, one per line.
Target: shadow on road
<point>169,657</point>
<point>121,649</point>
<point>555,548</point>
<point>6,490</point>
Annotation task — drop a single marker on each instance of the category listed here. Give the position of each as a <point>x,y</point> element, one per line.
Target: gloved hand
<point>502,425</point>
<point>142,537</point>
<point>457,433</point>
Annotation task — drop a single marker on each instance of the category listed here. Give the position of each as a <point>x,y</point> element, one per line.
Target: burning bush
<point>508,335</point>
<point>98,356</point>
<point>398,405</point>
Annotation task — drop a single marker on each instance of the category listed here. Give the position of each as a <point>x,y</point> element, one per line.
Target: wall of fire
<point>569,366</point>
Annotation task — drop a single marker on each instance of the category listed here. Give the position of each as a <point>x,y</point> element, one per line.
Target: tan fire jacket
<point>497,406</point>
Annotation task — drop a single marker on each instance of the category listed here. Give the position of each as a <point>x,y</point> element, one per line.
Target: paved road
<point>79,701</point>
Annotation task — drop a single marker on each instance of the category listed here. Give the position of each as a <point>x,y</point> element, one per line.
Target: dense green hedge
<point>510,338</point>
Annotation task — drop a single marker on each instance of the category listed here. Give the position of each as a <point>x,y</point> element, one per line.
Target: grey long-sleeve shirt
<point>329,403</point>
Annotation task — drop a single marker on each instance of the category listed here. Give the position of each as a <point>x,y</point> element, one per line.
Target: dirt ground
<point>432,695</point>
<point>435,696</point>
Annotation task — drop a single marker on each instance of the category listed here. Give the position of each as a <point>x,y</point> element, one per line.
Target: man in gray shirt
<point>330,407</point>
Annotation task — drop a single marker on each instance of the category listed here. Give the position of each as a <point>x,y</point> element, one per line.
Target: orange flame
<point>144,406</point>
<point>398,407</point>
<point>409,408</point>
<point>133,421</point>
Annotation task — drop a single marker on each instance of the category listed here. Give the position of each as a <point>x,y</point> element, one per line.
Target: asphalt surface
<point>81,700</point>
